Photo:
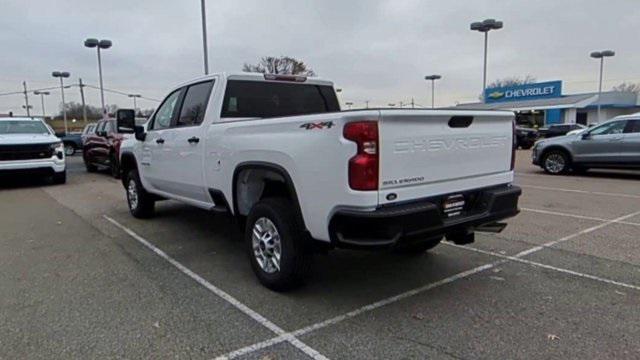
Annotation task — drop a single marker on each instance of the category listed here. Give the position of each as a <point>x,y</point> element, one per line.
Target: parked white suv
<point>29,146</point>
<point>277,153</point>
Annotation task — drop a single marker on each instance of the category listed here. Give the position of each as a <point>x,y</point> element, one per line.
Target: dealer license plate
<point>453,205</point>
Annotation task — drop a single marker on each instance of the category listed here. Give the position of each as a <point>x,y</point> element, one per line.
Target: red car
<point>101,147</point>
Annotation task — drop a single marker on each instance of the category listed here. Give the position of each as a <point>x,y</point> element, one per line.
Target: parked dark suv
<point>102,147</point>
<point>525,137</point>
<point>559,130</point>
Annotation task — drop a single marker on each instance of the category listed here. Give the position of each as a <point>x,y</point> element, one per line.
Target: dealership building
<point>543,104</point>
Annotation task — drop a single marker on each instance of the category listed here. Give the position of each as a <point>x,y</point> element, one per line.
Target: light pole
<point>204,37</point>
<point>42,94</point>
<point>62,75</point>
<point>99,44</point>
<point>484,27</point>
<point>433,79</point>
<point>601,55</point>
<point>134,97</point>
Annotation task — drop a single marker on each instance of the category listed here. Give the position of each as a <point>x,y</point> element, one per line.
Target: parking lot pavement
<point>561,282</point>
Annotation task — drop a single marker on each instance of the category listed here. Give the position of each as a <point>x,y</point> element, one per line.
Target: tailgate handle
<point>460,121</point>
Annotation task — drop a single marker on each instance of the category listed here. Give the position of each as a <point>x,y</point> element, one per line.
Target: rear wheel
<point>141,203</point>
<point>555,162</point>
<point>279,256</point>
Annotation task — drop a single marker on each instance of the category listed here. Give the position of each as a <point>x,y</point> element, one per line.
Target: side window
<point>109,127</point>
<point>633,127</point>
<point>162,118</point>
<point>612,128</point>
<point>100,127</point>
<point>194,104</point>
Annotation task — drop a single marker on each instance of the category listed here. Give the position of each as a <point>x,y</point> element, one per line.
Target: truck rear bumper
<point>422,220</point>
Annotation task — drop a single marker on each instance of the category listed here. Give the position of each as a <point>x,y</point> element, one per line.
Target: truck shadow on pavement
<point>8,182</point>
<point>211,245</point>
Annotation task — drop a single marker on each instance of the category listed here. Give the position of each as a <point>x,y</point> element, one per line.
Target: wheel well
<point>70,143</point>
<point>256,182</point>
<point>557,148</point>
<point>127,163</point>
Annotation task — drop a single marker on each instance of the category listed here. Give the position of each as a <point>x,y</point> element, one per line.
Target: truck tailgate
<point>419,148</point>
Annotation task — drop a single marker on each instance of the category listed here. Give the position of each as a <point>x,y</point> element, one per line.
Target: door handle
<point>160,141</point>
<point>193,140</point>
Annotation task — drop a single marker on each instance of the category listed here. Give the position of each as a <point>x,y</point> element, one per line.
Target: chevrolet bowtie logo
<point>496,95</point>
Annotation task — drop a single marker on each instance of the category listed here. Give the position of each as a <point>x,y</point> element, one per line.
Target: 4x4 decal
<point>318,125</point>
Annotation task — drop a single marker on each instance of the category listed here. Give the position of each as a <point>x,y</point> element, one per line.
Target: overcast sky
<point>377,50</point>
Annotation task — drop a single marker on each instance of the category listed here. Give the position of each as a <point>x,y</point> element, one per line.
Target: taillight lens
<point>363,167</point>
<point>514,145</point>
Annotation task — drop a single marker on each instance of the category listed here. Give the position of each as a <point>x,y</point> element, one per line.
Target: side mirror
<point>139,133</point>
<point>126,120</point>
<point>586,135</point>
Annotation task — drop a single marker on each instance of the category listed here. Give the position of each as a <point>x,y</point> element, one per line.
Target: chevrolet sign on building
<point>550,89</point>
<point>543,104</point>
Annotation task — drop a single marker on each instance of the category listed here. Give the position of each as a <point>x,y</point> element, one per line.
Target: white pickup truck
<point>28,146</point>
<point>278,154</point>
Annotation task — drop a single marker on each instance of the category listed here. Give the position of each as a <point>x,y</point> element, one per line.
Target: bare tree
<point>74,111</point>
<point>627,87</point>
<point>511,81</point>
<point>284,65</point>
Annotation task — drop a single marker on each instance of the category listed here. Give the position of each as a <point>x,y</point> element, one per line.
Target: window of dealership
<point>543,104</point>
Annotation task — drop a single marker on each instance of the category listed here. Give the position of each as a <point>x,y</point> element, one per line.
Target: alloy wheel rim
<point>68,150</point>
<point>132,194</point>
<point>267,248</point>
<point>555,163</point>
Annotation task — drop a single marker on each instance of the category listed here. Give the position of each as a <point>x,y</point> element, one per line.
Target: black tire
<point>114,166</point>
<point>417,248</point>
<point>295,254</point>
<point>556,162</point>
<point>89,166</point>
<point>59,178</point>
<point>143,205</point>
<point>69,149</point>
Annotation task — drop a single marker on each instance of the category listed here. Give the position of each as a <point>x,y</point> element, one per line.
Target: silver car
<point>612,144</point>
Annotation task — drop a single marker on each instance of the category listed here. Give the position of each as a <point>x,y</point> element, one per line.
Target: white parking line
<point>450,279</point>
<point>549,267</point>
<point>225,296</point>
<point>629,196</point>
<point>364,309</point>
<point>547,212</point>
<point>574,235</point>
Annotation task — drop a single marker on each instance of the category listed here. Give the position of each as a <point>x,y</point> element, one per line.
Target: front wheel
<point>114,167</point>
<point>141,203</point>
<point>69,149</point>
<point>555,162</point>
<point>277,250</point>
<point>59,178</point>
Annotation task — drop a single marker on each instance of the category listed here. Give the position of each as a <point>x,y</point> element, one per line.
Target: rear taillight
<point>514,145</point>
<point>363,167</point>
